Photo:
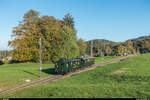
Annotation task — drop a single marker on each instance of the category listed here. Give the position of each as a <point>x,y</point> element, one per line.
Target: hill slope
<point>103,47</point>
<point>128,78</point>
<point>139,38</point>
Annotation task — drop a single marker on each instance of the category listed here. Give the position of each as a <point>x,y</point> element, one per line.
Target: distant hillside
<point>99,46</point>
<point>103,40</point>
<point>97,42</point>
<point>107,47</point>
<point>140,38</point>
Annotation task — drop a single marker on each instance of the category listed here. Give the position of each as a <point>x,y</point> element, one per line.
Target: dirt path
<point>120,71</point>
<point>56,77</point>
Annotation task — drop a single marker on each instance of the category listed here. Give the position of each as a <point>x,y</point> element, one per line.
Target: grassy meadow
<point>12,75</point>
<point>125,79</point>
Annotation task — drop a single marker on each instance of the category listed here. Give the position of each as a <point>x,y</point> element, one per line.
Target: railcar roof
<point>72,60</point>
<point>84,58</point>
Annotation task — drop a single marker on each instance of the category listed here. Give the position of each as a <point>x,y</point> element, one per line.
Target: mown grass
<point>106,58</point>
<point>12,75</point>
<point>101,82</point>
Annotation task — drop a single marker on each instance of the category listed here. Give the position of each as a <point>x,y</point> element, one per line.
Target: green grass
<point>98,83</point>
<point>103,59</point>
<point>12,75</point>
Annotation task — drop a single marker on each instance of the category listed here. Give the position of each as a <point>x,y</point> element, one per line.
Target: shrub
<point>1,62</point>
<point>6,61</point>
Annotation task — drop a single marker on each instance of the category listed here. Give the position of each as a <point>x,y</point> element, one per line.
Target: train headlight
<point>57,66</point>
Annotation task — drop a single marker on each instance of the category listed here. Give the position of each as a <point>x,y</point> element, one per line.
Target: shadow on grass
<point>130,78</point>
<point>30,73</point>
<point>50,71</point>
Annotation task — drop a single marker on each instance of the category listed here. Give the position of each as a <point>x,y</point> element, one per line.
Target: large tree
<point>129,46</point>
<point>3,54</point>
<point>25,36</point>
<point>121,50</point>
<point>69,47</point>
<point>82,47</point>
<point>108,50</point>
<point>58,38</point>
<point>68,21</point>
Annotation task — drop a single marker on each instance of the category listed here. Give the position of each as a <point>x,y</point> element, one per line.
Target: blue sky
<point>116,20</point>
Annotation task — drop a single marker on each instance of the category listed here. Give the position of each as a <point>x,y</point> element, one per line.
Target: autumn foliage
<point>58,38</point>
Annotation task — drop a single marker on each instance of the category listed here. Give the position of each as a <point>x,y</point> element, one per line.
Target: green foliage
<point>58,38</point>
<point>3,54</point>
<point>1,62</point>
<point>82,47</point>
<point>26,35</point>
<point>129,46</point>
<point>68,47</point>
<point>121,49</point>
<point>68,20</point>
<point>142,44</point>
<point>108,50</point>
<point>138,52</point>
<point>133,46</point>
<point>99,47</point>
<point>5,61</point>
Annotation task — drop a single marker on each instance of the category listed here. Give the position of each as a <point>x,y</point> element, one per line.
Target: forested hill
<point>140,38</point>
<point>101,41</point>
<point>106,47</point>
<point>96,41</point>
<point>104,41</point>
<point>99,45</point>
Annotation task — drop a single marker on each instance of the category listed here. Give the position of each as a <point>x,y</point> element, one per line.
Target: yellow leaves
<point>58,40</point>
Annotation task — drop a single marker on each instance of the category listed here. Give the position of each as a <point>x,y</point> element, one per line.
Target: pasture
<point>12,75</point>
<point>126,79</point>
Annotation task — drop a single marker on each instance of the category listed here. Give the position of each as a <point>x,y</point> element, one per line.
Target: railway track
<point>56,77</point>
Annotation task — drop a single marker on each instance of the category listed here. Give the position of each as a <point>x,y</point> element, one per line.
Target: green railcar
<point>63,66</point>
<point>60,66</point>
<point>76,64</point>
<point>87,61</point>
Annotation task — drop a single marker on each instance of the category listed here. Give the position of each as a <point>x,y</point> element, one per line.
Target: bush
<point>1,62</point>
<point>6,61</point>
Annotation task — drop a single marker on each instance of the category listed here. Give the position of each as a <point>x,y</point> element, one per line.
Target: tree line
<point>110,48</point>
<point>4,54</point>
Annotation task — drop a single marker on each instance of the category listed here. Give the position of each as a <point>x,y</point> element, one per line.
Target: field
<point>126,79</point>
<point>12,75</point>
